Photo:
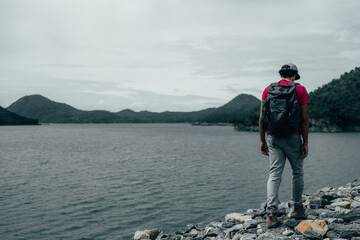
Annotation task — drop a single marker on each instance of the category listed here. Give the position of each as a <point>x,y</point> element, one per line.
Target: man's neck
<point>287,79</point>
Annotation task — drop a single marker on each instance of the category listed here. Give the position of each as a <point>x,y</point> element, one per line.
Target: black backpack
<point>281,111</point>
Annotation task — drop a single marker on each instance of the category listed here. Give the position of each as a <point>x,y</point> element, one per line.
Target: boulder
<point>344,203</point>
<point>252,223</point>
<point>346,231</point>
<point>237,217</point>
<point>288,232</point>
<point>318,226</point>
<point>355,204</point>
<point>146,234</point>
<point>310,234</point>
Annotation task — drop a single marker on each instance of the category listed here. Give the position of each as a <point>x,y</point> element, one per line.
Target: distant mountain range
<point>333,107</point>
<point>48,111</point>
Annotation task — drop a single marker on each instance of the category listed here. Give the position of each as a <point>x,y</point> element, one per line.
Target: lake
<point>105,181</point>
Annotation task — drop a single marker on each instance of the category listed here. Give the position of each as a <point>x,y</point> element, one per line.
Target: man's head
<point>289,70</point>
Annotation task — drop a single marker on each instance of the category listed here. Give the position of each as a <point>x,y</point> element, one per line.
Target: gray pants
<point>281,148</point>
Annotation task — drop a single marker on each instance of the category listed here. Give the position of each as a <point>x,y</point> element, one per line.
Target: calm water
<point>107,181</point>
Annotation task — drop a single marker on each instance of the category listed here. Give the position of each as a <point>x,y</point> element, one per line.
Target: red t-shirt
<point>301,94</point>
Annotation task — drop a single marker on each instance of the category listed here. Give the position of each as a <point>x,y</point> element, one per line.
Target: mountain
<point>48,111</point>
<point>10,118</point>
<point>338,102</point>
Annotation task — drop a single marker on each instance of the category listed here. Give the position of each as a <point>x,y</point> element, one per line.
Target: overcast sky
<point>177,55</point>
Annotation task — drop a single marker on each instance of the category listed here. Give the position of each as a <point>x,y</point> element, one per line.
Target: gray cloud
<point>162,52</point>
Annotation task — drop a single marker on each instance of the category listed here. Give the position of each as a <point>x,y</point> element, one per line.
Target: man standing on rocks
<point>284,120</point>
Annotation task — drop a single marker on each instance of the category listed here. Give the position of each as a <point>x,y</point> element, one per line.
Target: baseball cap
<point>291,66</point>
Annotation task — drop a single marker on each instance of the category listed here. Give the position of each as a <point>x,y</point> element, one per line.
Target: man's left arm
<point>304,130</point>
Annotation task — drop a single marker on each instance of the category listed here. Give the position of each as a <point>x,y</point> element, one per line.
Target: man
<point>278,148</point>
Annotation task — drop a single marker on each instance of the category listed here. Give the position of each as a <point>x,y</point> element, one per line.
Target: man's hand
<point>264,148</point>
<point>304,150</point>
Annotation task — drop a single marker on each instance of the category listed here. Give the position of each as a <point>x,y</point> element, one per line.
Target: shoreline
<point>332,213</point>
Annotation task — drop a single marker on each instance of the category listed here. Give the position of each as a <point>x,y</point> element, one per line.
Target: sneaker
<point>272,220</point>
<point>298,213</point>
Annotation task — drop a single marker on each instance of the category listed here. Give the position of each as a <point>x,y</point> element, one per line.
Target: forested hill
<point>338,101</point>
<point>10,118</point>
<point>48,111</point>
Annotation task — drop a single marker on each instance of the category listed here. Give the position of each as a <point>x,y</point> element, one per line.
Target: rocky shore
<point>332,213</point>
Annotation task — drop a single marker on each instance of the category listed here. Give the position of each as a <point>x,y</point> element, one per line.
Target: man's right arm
<point>304,130</point>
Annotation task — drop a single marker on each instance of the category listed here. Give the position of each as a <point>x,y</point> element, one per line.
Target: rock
<point>228,224</point>
<point>252,223</point>
<point>334,220</point>
<point>344,203</point>
<point>237,236</point>
<point>211,231</point>
<point>248,236</point>
<point>141,235</point>
<point>333,213</point>
<point>190,227</point>
<point>355,183</point>
<point>231,231</point>
<point>355,204</point>
<point>314,202</point>
<point>346,231</point>
<point>146,234</point>
<point>193,233</point>
<point>237,217</point>
<point>350,215</point>
<point>325,189</point>
<point>313,235</point>
<point>291,222</point>
<point>288,232</point>
<point>318,226</point>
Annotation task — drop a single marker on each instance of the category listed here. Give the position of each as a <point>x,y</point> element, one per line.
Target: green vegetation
<point>47,111</point>
<point>9,118</point>
<point>338,101</point>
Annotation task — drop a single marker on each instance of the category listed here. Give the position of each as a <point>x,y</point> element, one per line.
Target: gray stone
<point>334,220</point>
<point>343,203</point>
<point>325,189</point>
<point>355,183</point>
<point>355,204</point>
<point>330,207</point>
<point>291,222</point>
<point>346,214</point>
<point>288,232</point>
<point>313,235</point>
<point>193,233</point>
<point>237,217</point>
<point>252,223</point>
<point>346,231</point>
<point>237,236</point>
<point>314,202</point>
<point>248,236</point>
<point>141,235</point>
<point>211,231</point>
<point>228,224</point>
<point>332,234</point>
<point>147,234</point>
